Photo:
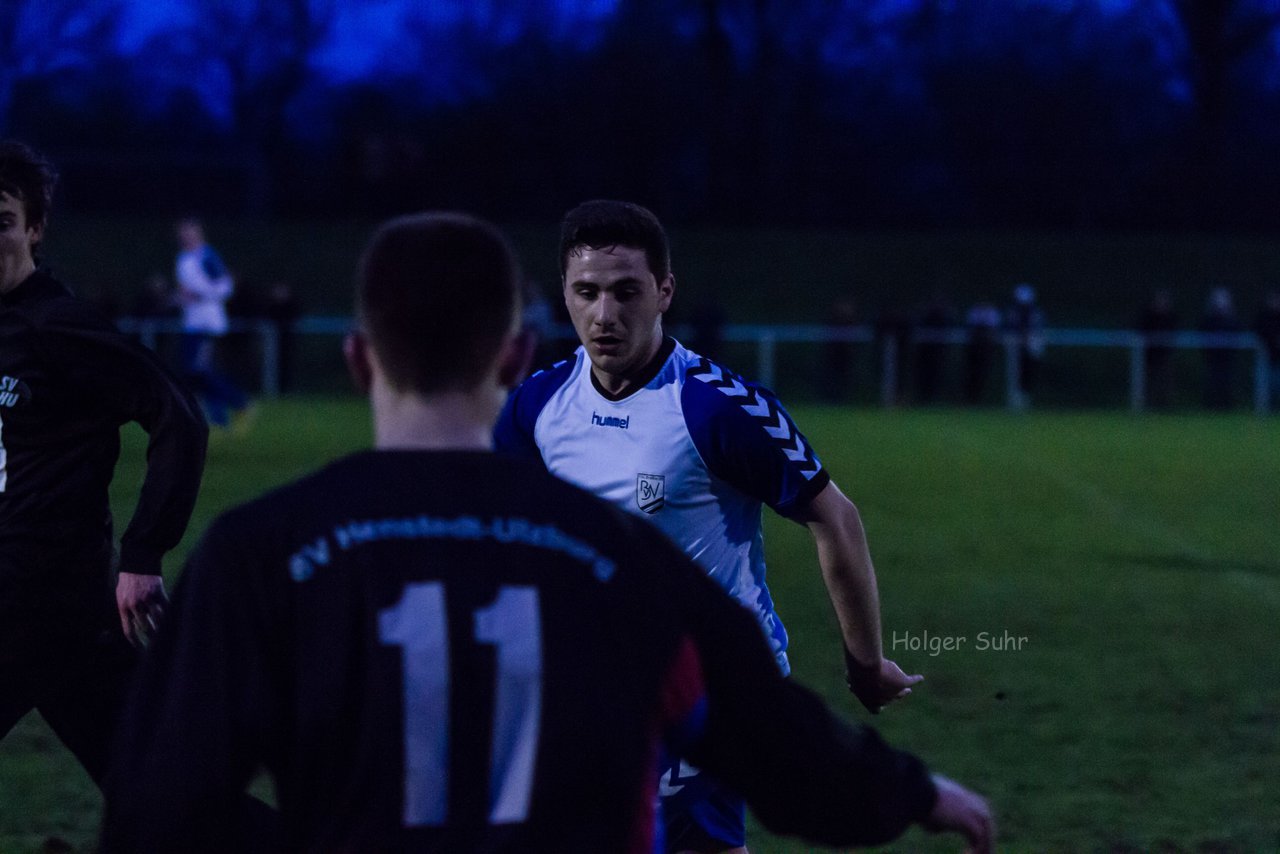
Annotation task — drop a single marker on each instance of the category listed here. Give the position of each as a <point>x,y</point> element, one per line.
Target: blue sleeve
<point>747,439</point>
<point>212,264</point>
<point>513,434</point>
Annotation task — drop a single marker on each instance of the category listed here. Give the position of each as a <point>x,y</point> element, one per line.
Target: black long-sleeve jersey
<point>458,652</point>
<point>68,381</point>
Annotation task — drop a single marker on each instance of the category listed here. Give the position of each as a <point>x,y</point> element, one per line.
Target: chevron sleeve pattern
<point>748,440</point>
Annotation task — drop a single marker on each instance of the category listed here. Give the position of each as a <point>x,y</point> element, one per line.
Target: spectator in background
<point>1026,321</point>
<point>1219,361</point>
<point>1157,323</point>
<point>983,322</point>
<point>204,286</point>
<point>837,356</point>
<point>937,318</point>
<point>1268,329</point>
<point>893,330</point>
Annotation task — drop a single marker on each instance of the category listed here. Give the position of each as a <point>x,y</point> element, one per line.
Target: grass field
<point>1138,556</point>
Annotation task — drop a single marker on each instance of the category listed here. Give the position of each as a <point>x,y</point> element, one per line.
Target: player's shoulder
<point>48,303</point>
<point>378,483</point>
<point>259,519</point>
<point>529,398</point>
<point>713,391</point>
<point>545,382</point>
<point>746,436</point>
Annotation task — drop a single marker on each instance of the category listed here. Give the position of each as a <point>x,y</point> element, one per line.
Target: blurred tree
<point>864,112</point>
<point>252,58</point>
<point>42,37</point>
<point>1220,35</point>
<point>1046,112</point>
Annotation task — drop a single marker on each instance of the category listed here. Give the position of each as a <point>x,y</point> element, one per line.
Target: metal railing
<point>767,338</point>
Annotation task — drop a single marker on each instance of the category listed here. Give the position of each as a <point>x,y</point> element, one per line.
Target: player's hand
<point>877,685</point>
<point>959,810</point>
<point>141,601</point>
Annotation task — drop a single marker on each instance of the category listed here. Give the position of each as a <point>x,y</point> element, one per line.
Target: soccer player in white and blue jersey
<point>667,434</point>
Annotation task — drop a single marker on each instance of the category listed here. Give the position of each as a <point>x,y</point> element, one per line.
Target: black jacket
<point>458,652</point>
<point>68,381</point>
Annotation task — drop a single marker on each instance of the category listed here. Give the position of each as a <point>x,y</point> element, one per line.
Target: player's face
<point>616,305</point>
<point>190,235</point>
<point>17,240</point>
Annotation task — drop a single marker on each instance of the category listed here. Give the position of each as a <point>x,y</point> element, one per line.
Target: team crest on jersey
<point>651,492</point>
<point>13,391</point>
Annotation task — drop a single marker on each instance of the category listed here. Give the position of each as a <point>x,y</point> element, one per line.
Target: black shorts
<point>77,686</point>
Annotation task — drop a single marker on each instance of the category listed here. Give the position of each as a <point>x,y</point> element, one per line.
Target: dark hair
<point>29,177</point>
<point>603,223</point>
<point>437,293</point>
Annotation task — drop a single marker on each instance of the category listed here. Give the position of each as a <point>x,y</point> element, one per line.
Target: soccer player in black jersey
<point>433,648</point>
<point>68,381</point>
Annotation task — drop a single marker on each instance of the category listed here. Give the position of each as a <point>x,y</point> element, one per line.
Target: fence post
<point>1262,368</point>
<point>270,358</point>
<point>765,357</point>
<point>889,376</point>
<point>1013,393</point>
<point>1137,374</point>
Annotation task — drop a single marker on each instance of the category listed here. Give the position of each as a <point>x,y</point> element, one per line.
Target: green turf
<point>1139,556</point>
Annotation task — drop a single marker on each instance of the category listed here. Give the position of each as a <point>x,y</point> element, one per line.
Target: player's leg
<point>83,695</point>
<point>224,397</point>
<point>699,815</point>
<point>82,704</point>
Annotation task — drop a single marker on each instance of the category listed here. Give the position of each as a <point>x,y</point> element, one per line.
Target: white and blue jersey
<point>697,450</point>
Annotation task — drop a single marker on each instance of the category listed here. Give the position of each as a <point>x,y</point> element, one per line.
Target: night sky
<point>1093,113</point>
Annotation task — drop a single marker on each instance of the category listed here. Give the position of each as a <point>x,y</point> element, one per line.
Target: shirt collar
<point>644,376</point>
<point>26,287</point>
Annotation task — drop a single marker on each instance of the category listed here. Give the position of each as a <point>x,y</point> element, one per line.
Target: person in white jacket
<point>204,286</point>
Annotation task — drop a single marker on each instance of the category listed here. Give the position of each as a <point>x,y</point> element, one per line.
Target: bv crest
<point>651,492</point>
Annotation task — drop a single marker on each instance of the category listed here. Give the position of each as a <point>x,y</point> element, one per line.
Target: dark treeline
<point>873,113</point>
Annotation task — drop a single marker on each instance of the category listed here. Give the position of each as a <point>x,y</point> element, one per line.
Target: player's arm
<point>128,383</point>
<point>195,283</point>
<point>747,439</point>
<point>195,724</point>
<point>802,770</point>
<point>850,578</point>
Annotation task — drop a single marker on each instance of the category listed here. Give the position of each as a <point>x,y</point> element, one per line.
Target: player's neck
<point>618,386</point>
<point>20,275</point>
<point>451,421</point>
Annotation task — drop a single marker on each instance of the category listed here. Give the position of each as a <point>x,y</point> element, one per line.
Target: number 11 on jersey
<point>418,624</point>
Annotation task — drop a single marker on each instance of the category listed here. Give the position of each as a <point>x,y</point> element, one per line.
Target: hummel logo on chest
<point>609,420</point>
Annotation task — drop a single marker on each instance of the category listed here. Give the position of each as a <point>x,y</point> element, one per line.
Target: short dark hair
<point>602,223</point>
<point>28,177</point>
<point>437,293</point>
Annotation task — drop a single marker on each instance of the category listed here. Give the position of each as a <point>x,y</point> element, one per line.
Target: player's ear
<point>516,358</point>
<point>666,291</point>
<point>355,350</point>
